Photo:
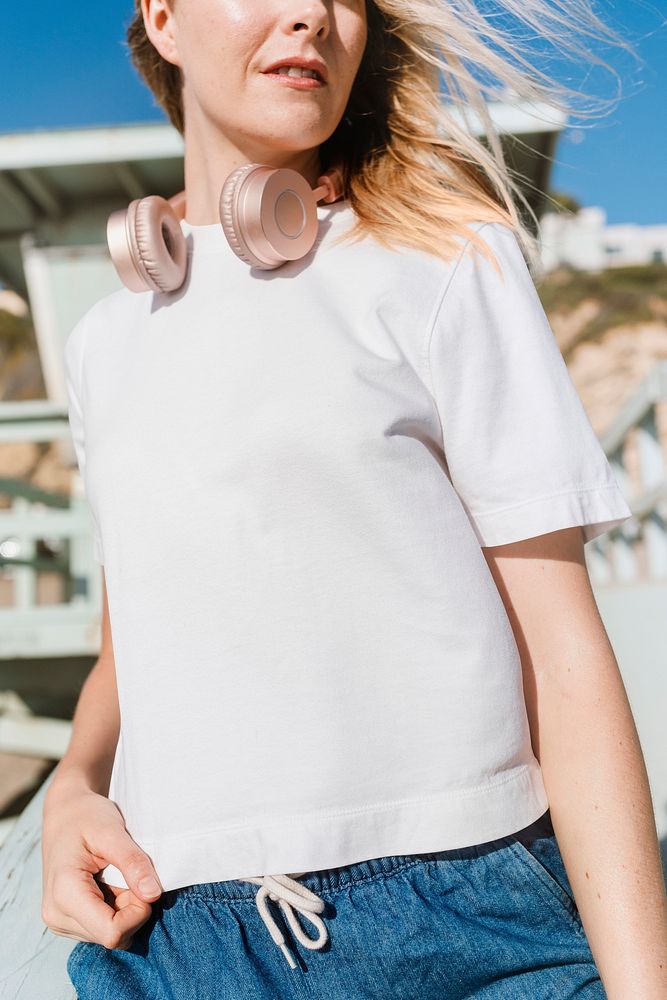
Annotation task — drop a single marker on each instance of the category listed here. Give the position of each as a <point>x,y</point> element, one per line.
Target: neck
<point>211,156</point>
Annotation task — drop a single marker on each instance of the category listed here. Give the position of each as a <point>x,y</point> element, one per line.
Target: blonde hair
<point>414,171</point>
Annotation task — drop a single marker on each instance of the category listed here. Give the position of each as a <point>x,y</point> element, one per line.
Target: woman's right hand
<point>82,831</point>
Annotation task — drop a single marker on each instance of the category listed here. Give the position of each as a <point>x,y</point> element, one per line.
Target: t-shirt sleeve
<point>73,362</point>
<point>521,452</point>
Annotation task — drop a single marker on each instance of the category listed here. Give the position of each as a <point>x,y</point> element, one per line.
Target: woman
<point>341,506</point>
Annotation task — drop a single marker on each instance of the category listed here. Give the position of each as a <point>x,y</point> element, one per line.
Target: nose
<point>311,18</point>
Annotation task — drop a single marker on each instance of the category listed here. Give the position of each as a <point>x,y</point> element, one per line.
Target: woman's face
<point>224,48</point>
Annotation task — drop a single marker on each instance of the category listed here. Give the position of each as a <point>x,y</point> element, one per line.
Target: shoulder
<point>498,237</point>
<point>120,304</point>
<point>100,321</point>
<point>491,267</point>
<point>487,253</point>
<point>405,269</point>
<point>412,289</point>
<point>491,304</point>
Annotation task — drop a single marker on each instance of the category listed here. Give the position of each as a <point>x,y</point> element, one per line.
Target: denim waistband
<point>326,880</point>
<point>302,892</point>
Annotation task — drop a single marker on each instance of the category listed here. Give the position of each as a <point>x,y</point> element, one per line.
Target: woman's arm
<point>88,759</point>
<point>584,736</point>
<point>83,830</point>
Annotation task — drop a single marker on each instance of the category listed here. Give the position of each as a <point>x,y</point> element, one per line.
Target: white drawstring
<point>290,895</point>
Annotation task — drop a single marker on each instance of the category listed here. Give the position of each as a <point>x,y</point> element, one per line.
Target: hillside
<point>611,328</point>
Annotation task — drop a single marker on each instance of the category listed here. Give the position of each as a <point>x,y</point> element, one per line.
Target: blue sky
<point>67,66</point>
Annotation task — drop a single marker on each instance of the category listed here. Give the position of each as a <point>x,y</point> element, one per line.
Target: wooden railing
<point>636,446</point>
<point>69,626</point>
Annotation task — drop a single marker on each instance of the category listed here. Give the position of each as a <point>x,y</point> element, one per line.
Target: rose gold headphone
<point>268,214</point>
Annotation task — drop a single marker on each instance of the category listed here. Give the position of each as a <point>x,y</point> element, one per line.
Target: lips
<point>315,64</point>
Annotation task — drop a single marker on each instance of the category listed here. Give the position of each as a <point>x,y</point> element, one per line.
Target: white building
<point>584,240</point>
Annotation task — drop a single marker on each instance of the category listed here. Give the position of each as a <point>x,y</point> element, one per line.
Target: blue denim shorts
<point>495,920</point>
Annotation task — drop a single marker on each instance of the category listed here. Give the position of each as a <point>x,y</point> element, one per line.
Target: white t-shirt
<point>314,665</point>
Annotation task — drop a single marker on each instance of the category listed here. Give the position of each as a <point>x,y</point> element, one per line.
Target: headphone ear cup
<point>158,244</point>
<point>121,248</point>
<point>147,245</point>
<point>268,214</point>
<point>228,215</point>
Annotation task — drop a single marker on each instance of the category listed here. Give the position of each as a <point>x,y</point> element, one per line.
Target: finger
<point>81,900</point>
<point>119,849</point>
<point>80,935</point>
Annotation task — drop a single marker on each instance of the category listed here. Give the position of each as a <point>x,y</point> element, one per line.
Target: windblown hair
<point>421,153</point>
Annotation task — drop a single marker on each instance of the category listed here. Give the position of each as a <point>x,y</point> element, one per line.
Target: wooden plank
<point>33,960</point>
<point>35,735</point>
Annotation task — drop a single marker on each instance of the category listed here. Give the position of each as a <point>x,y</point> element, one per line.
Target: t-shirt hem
<point>317,841</point>
<point>597,509</point>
